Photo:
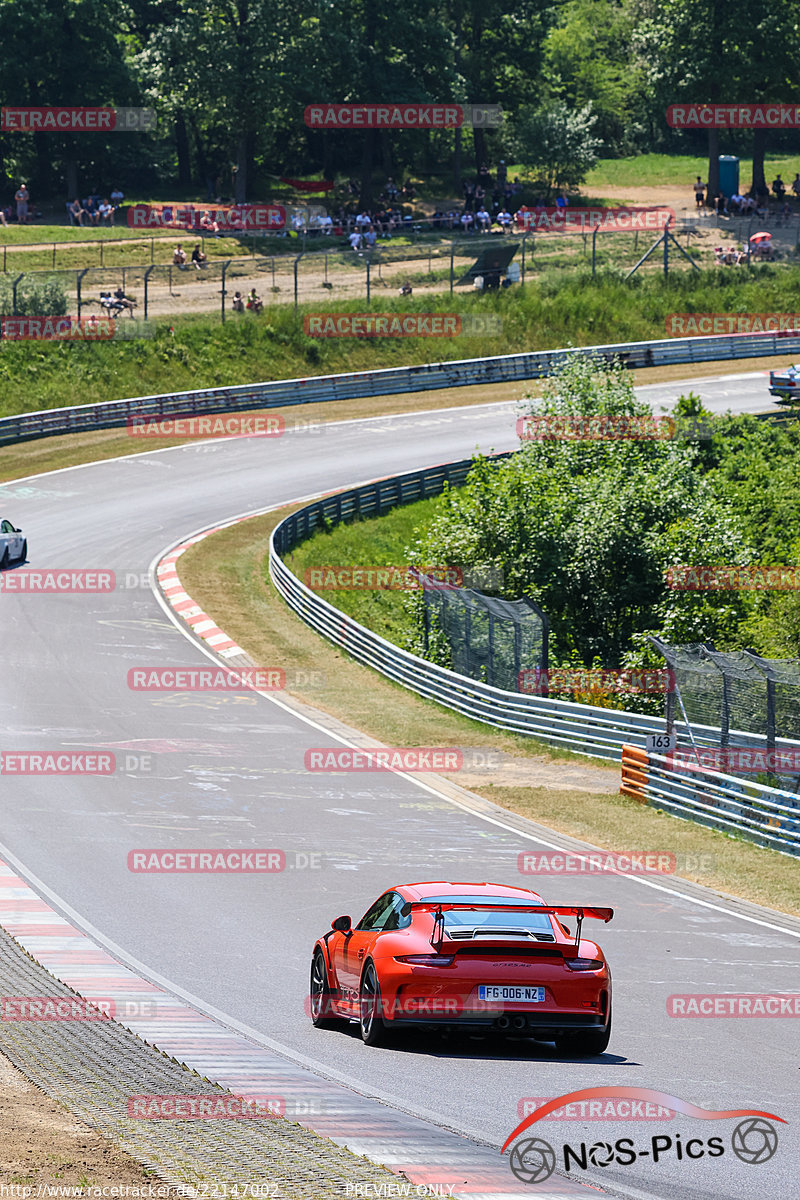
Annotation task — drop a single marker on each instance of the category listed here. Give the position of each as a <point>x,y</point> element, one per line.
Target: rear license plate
<point>510,994</point>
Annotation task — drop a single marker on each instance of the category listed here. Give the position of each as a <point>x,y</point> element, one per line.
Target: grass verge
<point>560,309</point>
<point>226,574</point>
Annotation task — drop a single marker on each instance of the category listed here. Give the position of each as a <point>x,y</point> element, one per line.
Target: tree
<point>62,55</point>
<point>557,146</point>
<point>721,51</point>
<point>588,59</point>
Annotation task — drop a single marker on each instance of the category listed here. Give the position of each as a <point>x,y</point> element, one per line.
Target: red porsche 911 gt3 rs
<point>478,956</point>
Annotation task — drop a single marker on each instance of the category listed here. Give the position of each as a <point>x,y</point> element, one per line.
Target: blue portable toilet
<point>729,175</point>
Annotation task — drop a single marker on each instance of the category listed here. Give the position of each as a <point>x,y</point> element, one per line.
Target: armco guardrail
<point>578,727</point>
<point>463,373</point>
<point>761,814</point>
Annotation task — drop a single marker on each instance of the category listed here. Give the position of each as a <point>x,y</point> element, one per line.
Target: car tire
<point>587,1043</point>
<point>4,560</point>
<point>320,997</point>
<point>370,1022</point>
<point>24,552</point>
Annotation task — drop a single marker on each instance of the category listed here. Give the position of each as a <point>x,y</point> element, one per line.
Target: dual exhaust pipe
<point>516,1023</point>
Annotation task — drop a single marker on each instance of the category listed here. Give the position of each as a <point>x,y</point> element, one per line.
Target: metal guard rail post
<point>581,728</point>
<point>319,389</point>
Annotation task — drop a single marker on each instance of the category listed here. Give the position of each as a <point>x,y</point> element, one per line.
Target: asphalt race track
<point>229,773</point>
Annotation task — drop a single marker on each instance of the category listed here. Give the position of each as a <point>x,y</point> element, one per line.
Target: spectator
<point>504,219</point>
<point>484,176</point>
<point>106,211</point>
<point>179,257</point>
<point>125,301</point>
<point>469,195</point>
<point>502,173</point>
<point>91,210</point>
<point>391,190</point>
<point>254,302</point>
<point>3,220</point>
<point>699,190</point>
<point>406,289</point>
<point>480,195</point>
<point>22,197</point>
<point>75,212</point>
<point>562,201</point>
<point>117,197</point>
<point>355,240</point>
<point>370,238</point>
<point>796,186</point>
<point>208,225</point>
<point>516,186</point>
<point>778,187</point>
<point>467,221</point>
<point>722,205</point>
<point>484,221</point>
<point>199,258</point>
<point>326,225</point>
<point>237,303</point>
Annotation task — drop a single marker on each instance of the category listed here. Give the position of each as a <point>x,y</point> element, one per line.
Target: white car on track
<point>12,544</point>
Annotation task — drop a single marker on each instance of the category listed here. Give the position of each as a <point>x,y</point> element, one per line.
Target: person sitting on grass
<point>254,303</point>
<point>199,259</point>
<point>106,211</point>
<point>504,219</point>
<point>209,226</point>
<point>406,289</point>
<point>75,212</point>
<point>238,302</point>
<point>179,257</point>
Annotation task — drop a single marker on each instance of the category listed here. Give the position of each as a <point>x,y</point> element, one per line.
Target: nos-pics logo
<point>754,1139</point>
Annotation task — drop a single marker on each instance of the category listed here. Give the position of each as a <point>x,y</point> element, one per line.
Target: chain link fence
<point>311,269</point>
<point>480,636</point>
<point>737,692</point>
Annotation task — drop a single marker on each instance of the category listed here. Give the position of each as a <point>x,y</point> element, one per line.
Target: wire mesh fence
<point>737,692</point>
<point>482,636</point>
<point>306,270</point>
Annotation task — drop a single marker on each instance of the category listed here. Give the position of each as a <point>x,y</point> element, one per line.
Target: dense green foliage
<point>589,529</point>
<point>230,83</point>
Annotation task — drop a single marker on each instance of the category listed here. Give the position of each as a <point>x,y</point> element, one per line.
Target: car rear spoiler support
<point>439,908</point>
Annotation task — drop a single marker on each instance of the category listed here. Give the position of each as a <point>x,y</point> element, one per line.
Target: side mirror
<point>342,925</point>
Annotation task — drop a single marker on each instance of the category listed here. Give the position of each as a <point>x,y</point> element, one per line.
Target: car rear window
<point>486,918</point>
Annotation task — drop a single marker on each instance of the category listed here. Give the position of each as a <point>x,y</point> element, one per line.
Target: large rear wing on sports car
<point>579,911</point>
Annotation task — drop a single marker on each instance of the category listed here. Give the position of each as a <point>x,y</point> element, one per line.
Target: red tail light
<point>427,960</point>
<point>584,964</point>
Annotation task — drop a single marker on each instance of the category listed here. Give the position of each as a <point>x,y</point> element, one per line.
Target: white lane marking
<point>496,404</point>
<point>730,912</point>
